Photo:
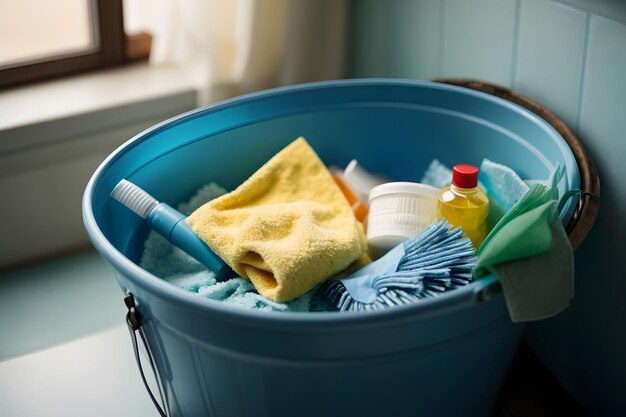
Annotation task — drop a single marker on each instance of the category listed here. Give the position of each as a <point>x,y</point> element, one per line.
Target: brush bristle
<point>134,198</point>
<point>437,260</point>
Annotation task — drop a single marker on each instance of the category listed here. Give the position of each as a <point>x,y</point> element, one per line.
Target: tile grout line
<point>516,42</point>
<point>583,71</point>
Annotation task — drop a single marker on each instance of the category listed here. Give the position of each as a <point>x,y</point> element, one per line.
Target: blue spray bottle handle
<point>171,224</point>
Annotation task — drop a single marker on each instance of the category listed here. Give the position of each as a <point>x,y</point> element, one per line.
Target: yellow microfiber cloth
<point>287,228</point>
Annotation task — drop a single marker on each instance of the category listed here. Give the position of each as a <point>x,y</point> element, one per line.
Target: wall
<point>571,57</point>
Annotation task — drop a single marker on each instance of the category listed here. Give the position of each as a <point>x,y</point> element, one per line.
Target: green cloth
<point>528,250</point>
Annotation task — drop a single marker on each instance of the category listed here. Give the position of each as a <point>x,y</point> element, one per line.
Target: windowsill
<point>53,136</point>
<point>55,110</point>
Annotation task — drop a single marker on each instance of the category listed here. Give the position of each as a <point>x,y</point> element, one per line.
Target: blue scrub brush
<point>437,259</point>
<point>171,224</point>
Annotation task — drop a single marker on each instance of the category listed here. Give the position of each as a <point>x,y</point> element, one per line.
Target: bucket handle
<point>133,322</point>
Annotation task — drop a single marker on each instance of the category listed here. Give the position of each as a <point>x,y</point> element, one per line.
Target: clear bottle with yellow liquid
<point>464,204</point>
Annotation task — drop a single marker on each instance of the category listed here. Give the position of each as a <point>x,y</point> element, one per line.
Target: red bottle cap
<point>465,176</point>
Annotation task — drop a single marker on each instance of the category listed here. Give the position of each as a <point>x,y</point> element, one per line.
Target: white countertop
<point>93,376</point>
<point>64,346</point>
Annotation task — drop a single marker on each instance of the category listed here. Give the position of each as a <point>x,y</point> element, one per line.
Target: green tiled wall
<point>550,52</point>
<point>571,56</point>
<point>413,25</point>
<point>476,44</point>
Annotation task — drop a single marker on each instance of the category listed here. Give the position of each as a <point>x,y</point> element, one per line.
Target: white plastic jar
<point>397,212</point>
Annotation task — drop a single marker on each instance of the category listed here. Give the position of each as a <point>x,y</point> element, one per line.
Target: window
<point>41,39</point>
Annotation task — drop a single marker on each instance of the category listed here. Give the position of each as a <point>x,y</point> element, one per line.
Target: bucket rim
<point>470,294</point>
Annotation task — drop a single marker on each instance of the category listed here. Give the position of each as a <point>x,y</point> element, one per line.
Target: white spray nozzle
<point>134,198</point>
<point>360,182</point>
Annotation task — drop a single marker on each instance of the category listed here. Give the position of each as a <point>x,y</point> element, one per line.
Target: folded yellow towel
<point>287,228</point>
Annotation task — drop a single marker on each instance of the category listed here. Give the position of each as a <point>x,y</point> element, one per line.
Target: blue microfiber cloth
<point>173,265</point>
<point>433,261</point>
<point>240,292</point>
<point>437,174</point>
<point>505,185</point>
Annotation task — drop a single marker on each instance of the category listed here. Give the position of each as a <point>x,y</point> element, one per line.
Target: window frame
<point>108,25</point>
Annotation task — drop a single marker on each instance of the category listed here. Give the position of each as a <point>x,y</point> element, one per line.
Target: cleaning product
<point>169,223</point>
<point>435,260</point>
<point>287,228</point>
<point>398,211</point>
<point>465,205</point>
<point>361,181</point>
<point>358,207</point>
<point>355,183</point>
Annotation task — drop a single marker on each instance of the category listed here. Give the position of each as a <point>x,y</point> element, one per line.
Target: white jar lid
<point>404,188</point>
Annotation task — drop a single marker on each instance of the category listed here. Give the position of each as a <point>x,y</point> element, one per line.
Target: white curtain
<point>238,46</point>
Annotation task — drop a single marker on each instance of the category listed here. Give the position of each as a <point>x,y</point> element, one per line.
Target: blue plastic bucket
<point>444,356</point>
